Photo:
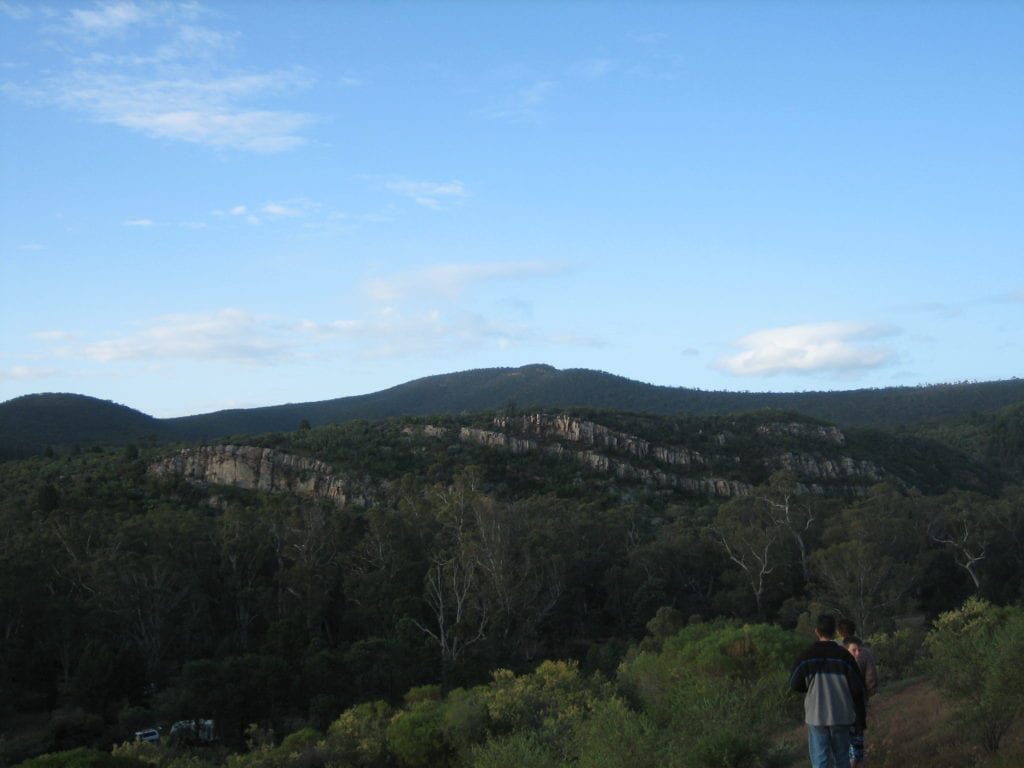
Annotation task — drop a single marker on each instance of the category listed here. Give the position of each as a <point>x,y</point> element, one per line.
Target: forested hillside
<point>30,424</point>
<point>287,578</point>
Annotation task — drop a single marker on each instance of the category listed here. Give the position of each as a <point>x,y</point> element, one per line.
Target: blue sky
<point>207,205</point>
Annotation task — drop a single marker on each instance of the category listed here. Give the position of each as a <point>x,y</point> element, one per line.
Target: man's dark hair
<point>846,627</point>
<point>852,640</point>
<point>826,625</point>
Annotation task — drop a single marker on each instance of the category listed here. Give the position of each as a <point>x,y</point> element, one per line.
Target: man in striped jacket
<point>834,696</point>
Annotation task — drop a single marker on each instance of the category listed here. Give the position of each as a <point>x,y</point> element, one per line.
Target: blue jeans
<point>829,745</point>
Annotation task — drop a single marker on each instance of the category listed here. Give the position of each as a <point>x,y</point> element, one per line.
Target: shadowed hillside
<point>30,423</point>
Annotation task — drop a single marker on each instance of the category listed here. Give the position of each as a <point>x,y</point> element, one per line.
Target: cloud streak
<point>838,348</point>
<point>105,18</point>
<point>522,104</point>
<point>175,90</point>
<point>228,335</point>
<point>235,336</point>
<point>428,193</point>
<point>26,373</point>
<point>414,314</point>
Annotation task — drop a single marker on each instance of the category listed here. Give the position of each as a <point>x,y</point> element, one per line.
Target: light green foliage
<point>552,702</point>
<point>975,658</point>
<point>554,695</point>
<point>359,735</point>
<point>299,740</point>
<point>466,721</point>
<point>519,750</point>
<point>615,736</point>
<point>416,735</point>
<point>717,692</point>
<point>302,749</point>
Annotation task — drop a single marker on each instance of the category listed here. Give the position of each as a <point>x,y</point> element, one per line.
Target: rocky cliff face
<point>601,462</point>
<point>821,467</point>
<point>259,469</point>
<point>628,457</point>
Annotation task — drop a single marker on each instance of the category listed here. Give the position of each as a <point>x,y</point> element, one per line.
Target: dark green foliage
<point>82,758</point>
<point>31,423</point>
<point>715,695</point>
<point>133,601</point>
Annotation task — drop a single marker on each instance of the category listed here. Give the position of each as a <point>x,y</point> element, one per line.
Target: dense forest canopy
<point>131,596</point>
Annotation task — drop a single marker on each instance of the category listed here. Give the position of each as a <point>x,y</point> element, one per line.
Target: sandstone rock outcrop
<point>259,469</point>
<point>628,457</point>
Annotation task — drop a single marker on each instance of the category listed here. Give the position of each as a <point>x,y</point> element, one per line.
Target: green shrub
<point>615,736</point>
<point>359,735</point>
<point>555,691</point>
<point>519,750</point>
<point>718,692</point>
<point>416,735</point>
<point>897,653</point>
<point>466,721</point>
<point>299,740</point>
<point>975,657</point>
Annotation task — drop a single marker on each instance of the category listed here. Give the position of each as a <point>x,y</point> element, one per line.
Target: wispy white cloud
<point>105,18</point>
<point>593,69</point>
<point>392,333</point>
<point>290,209</point>
<point>276,209</point>
<point>524,103</point>
<point>53,335</point>
<point>429,193</point>
<point>196,109</point>
<point>177,89</point>
<point>388,330</point>
<point>241,211</point>
<point>139,223</point>
<point>237,337</point>
<point>943,310</point>
<point>26,373</point>
<point>842,348</point>
<point>451,280</point>
<point>16,11</point>
<point>228,335</point>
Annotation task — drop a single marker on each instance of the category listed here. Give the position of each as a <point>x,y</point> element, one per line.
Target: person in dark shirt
<point>833,689</point>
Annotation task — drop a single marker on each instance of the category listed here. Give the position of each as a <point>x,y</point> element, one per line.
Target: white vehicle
<point>148,734</point>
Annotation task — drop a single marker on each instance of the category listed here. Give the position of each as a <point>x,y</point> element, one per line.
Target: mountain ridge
<point>31,422</point>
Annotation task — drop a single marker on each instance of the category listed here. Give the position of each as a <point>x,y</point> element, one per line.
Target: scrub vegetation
<point>486,609</point>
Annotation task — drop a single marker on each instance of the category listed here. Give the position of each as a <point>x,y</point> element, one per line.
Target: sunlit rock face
<point>259,469</point>
<point>628,457</point>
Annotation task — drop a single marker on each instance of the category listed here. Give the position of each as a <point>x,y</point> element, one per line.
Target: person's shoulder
<point>834,650</point>
<point>820,649</point>
<point>809,652</point>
